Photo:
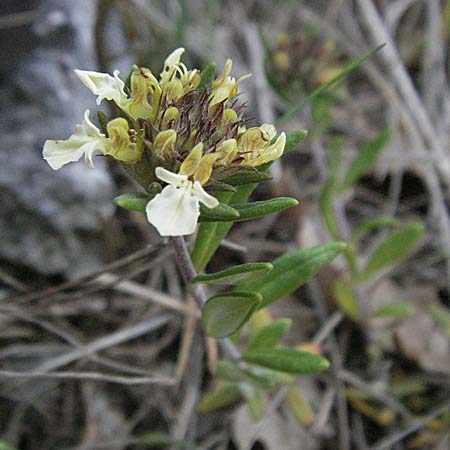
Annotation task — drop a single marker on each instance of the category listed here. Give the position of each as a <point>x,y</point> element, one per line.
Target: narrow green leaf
<point>266,378</point>
<point>235,274</point>
<point>103,123</point>
<point>326,207</point>
<point>396,310</point>
<point>219,396</point>
<point>245,177</point>
<point>128,78</point>
<point>255,210</point>
<point>135,201</point>
<point>217,186</point>
<point>293,138</point>
<point>321,113</point>
<point>397,245</point>
<point>270,335</point>
<point>253,398</point>
<point>345,71</point>
<point>365,158</point>
<point>287,360</point>
<point>346,301</point>
<point>372,224</point>
<point>299,406</point>
<point>225,313</point>
<point>228,370</point>
<point>221,213</point>
<point>334,155</point>
<point>210,235</point>
<point>292,270</point>
<point>207,75</point>
<point>6,446</point>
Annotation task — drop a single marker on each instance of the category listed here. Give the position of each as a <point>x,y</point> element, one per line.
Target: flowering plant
<point>174,132</point>
<point>183,138</point>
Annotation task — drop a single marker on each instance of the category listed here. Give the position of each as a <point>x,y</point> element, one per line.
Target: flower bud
<point>164,145</point>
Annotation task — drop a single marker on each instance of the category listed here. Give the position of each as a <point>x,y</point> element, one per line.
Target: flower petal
<point>174,212</point>
<point>171,64</point>
<point>202,196</point>
<point>170,177</point>
<point>104,86</point>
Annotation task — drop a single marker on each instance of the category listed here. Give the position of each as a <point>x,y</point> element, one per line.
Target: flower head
<point>173,133</point>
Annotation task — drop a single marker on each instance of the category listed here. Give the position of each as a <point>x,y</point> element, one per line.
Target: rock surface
<point>49,221</point>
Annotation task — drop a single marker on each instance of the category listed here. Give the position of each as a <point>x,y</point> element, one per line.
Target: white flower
<point>104,85</point>
<point>85,141</point>
<point>175,211</point>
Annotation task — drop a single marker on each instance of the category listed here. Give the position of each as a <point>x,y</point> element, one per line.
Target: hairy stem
<point>189,272</point>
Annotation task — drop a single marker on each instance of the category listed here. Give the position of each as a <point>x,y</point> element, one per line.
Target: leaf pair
<point>137,201</point>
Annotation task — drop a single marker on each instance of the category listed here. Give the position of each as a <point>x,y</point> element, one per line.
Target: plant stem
<point>189,272</point>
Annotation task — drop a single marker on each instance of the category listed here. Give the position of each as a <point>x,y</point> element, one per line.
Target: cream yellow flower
<point>225,87</point>
<point>175,211</point>
<point>254,145</point>
<point>85,141</point>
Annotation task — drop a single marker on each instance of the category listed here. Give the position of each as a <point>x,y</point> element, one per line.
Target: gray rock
<point>50,220</point>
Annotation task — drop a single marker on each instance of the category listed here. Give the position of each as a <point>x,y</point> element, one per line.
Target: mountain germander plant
<point>183,138</point>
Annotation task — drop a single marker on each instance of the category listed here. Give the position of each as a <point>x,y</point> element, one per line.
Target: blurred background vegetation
<point>99,349</point>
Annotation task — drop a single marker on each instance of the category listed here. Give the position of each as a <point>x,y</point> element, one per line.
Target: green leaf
<point>255,210</point>
<point>321,113</point>
<point>334,155</point>
<point>287,360</point>
<point>293,138</point>
<point>299,406</point>
<point>5,446</point>
<point>397,245</point>
<point>128,78</point>
<point>372,224</point>
<point>345,71</point>
<point>228,370</point>
<point>219,396</point>
<point>253,398</point>
<point>235,274</point>
<point>245,177</point>
<point>326,207</point>
<point>218,186</point>
<point>292,270</point>
<point>270,335</point>
<point>396,310</point>
<point>221,213</point>
<point>365,158</point>
<point>207,75</point>
<point>346,301</point>
<point>225,313</point>
<point>210,235</point>
<point>266,378</point>
<point>134,201</point>
<point>103,123</point>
